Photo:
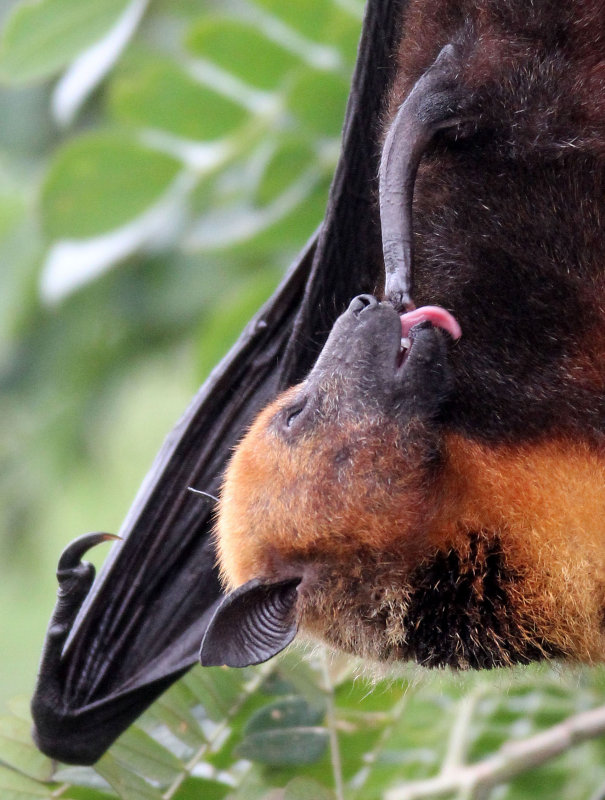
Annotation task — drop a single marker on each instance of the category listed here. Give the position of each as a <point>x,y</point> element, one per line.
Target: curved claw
<point>71,557</point>
<point>75,579</point>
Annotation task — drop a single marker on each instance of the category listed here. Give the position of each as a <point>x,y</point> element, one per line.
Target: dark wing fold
<point>141,625</point>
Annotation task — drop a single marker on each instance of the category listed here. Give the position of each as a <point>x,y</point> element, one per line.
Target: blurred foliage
<point>159,169</point>
<point>310,728</point>
<point>161,161</point>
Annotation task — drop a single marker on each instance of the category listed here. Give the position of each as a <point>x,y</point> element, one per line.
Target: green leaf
<point>308,18</point>
<point>17,749</point>
<point>292,229</point>
<point>241,49</point>
<point>20,707</point>
<point>304,789</point>
<point>40,38</point>
<point>187,9</point>
<point>294,669</point>
<point>292,712</point>
<point>318,99</point>
<point>17,787</point>
<point>137,751</point>
<point>101,181</point>
<point>180,699</point>
<point>281,748</point>
<point>276,684</point>
<point>359,695</point>
<point>216,688</point>
<point>86,779</point>
<point>26,126</point>
<point>176,715</point>
<point>285,733</point>
<point>200,789</point>
<point>161,95</point>
<point>343,31</point>
<point>218,332</point>
<point>290,160</point>
<point>12,208</point>
<point>126,783</point>
<point>254,786</point>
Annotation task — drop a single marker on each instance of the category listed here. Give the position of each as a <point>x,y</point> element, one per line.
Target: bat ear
<point>252,624</point>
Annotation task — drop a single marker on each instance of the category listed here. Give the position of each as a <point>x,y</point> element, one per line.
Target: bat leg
<point>75,579</point>
<point>435,103</point>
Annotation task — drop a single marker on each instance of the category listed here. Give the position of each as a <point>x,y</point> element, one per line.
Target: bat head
<point>325,467</point>
<point>333,471</point>
<point>351,513</point>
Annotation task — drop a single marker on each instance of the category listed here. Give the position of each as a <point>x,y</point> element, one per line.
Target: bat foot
<point>75,579</point>
<point>54,729</point>
<point>397,294</point>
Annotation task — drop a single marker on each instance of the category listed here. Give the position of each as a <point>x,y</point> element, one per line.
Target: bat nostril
<point>361,302</point>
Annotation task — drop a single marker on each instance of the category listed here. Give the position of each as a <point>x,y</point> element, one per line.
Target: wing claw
<point>71,557</point>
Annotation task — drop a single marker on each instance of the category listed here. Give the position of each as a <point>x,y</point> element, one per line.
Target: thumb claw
<point>71,557</point>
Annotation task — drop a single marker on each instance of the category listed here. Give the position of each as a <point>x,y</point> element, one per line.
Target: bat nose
<point>361,303</point>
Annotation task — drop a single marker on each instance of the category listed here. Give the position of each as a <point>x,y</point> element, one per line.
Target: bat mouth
<point>419,319</point>
<point>405,345</point>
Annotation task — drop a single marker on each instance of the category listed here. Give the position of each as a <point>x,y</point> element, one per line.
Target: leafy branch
<point>249,689</point>
<point>475,781</point>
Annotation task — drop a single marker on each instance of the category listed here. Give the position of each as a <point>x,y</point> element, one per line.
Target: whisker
<point>205,494</point>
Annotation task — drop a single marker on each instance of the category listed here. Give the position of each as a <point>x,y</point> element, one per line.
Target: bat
<point>424,494</point>
<point>463,520</point>
<point>112,649</point>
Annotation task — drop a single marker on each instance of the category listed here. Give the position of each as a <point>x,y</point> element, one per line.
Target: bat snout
<point>378,361</point>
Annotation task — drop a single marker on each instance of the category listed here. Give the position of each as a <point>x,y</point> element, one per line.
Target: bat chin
<point>454,609</point>
<point>457,608</point>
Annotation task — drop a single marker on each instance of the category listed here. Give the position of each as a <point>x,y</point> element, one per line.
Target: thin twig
<point>457,749</point>
<point>474,781</point>
<point>360,779</point>
<point>331,723</point>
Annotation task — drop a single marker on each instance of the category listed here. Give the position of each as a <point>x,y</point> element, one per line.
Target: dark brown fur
<point>508,221</point>
<point>475,537</point>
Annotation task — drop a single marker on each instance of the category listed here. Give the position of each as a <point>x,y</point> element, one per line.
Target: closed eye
<point>290,420</point>
<point>292,413</point>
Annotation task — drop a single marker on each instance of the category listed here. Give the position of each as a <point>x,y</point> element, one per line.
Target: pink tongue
<point>436,315</point>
